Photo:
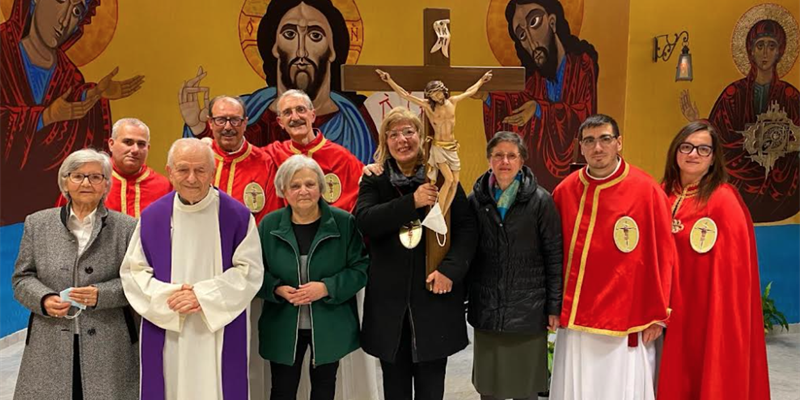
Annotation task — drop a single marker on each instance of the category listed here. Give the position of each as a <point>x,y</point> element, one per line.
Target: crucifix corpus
<point>437,78</point>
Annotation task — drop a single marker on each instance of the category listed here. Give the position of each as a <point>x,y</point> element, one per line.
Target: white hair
<point>185,144</point>
<point>135,122</point>
<point>291,166</point>
<point>224,97</point>
<point>296,93</point>
<point>79,159</point>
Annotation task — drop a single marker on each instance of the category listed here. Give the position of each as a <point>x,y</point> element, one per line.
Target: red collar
<point>311,146</point>
<point>135,176</point>
<point>232,156</point>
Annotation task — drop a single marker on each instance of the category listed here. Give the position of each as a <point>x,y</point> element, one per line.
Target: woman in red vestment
<point>714,347</point>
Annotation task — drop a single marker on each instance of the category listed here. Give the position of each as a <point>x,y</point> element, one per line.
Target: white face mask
<point>435,220</point>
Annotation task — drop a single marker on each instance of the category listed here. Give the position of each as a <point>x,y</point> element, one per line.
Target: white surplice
<point>193,343</point>
<point>356,378</point>
<point>588,366</point>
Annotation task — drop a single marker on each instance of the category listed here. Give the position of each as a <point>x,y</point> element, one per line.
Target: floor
<point>783,353</point>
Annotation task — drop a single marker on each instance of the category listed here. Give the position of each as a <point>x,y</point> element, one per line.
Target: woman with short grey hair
<point>314,264</point>
<point>67,275</point>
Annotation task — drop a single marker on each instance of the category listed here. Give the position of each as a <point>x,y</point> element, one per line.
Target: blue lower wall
<point>779,261</point>
<point>13,316</point>
<point>778,256</point>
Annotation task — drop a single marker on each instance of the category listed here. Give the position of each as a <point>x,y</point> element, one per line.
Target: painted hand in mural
<point>115,90</point>
<point>688,107</point>
<point>193,112</point>
<point>64,110</point>
<point>522,114</point>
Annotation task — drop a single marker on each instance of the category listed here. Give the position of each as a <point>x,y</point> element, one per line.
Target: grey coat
<point>48,263</point>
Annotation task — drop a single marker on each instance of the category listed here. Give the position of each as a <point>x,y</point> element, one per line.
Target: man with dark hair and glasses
<point>243,171</point>
<point>619,257</point>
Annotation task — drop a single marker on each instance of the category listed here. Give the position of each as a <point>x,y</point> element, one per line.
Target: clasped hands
<point>184,301</point>
<point>303,295</point>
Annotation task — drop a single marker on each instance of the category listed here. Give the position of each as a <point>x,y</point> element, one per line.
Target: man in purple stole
<point>193,292</point>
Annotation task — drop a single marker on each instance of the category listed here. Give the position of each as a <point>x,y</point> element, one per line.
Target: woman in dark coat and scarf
<point>411,329</point>
<point>515,279</point>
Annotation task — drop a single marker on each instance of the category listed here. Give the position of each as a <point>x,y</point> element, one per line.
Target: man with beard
<point>560,90</point>
<point>134,185</point>
<point>303,43</point>
<point>243,171</point>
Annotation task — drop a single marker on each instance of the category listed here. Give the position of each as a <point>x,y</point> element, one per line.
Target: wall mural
<point>758,115</point>
<point>47,110</point>
<point>302,44</point>
<point>561,81</point>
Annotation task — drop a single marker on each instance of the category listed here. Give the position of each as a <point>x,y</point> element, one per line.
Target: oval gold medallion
<point>703,235</point>
<point>411,234</point>
<point>254,197</point>
<point>334,191</point>
<point>626,234</point>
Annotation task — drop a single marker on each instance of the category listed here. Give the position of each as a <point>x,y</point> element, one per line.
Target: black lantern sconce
<point>683,71</point>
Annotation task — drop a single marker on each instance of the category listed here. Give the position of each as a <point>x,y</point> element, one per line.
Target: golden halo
<point>253,11</point>
<point>96,35</point>
<point>751,17</point>
<point>497,28</point>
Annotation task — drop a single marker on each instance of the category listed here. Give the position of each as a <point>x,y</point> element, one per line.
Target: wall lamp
<point>683,71</point>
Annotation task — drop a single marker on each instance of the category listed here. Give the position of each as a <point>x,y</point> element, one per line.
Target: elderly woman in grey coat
<point>81,341</point>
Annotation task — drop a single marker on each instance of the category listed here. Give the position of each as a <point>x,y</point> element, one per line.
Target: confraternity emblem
<point>677,225</point>
<point>626,234</point>
<point>411,234</point>
<point>334,188</point>
<point>772,137</point>
<point>254,197</point>
<point>703,235</point>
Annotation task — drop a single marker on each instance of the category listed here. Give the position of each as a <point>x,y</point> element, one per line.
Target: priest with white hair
<point>192,268</point>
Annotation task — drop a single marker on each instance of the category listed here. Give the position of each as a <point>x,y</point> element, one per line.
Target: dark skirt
<point>509,365</point>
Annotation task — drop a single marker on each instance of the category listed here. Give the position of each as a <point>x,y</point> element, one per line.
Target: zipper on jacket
<point>310,308</point>
<point>297,326</point>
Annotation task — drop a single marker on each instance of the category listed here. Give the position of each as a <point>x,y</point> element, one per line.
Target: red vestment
<point>770,197</point>
<point>246,175</point>
<point>30,157</point>
<point>342,170</point>
<point>550,137</point>
<point>131,194</point>
<point>714,347</point>
<point>608,291</point>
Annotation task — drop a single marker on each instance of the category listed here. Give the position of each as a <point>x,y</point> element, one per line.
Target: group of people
<point>161,307</point>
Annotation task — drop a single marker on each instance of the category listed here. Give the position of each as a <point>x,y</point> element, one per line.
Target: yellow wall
<point>166,41</point>
<point>652,107</point>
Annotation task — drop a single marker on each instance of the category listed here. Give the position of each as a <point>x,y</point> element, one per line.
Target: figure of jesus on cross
<point>440,111</point>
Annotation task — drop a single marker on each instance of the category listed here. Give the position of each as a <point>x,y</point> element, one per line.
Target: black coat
<point>396,276</point>
<point>515,278</point>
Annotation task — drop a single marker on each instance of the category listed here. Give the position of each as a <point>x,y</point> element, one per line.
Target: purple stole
<point>156,220</point>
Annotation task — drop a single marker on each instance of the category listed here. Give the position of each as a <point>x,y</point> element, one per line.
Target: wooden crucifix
<point>415,78</point>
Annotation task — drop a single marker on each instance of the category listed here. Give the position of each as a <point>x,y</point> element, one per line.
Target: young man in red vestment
<point>619,257</point>
<point>134,185</point>
<point>342,169</point>
<point>243,171</point>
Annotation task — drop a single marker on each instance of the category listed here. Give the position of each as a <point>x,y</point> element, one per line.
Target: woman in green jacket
<point>314,263</point>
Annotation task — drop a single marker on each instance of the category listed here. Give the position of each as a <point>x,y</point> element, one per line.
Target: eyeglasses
<point>605,140</point>
<point>77,177</point>
<point>221,121</point>
<point>395,134</point>
<point>300,110</point>
<point>703,150</point>
<point>511,157</point>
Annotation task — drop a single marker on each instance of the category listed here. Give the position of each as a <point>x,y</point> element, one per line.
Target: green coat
<point>338,259</point>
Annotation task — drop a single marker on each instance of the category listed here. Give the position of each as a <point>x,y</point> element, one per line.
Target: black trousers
<point>77,385</point>
<point>427,377</point>
<point>286,378</point>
